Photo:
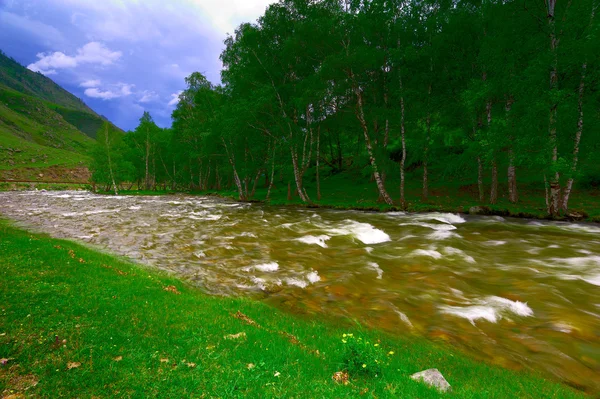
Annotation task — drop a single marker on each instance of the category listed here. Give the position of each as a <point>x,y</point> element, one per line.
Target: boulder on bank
<point>433,378</point>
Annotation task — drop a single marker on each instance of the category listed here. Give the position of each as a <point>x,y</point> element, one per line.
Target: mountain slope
<point>41,124</point>
<point>15,76</point>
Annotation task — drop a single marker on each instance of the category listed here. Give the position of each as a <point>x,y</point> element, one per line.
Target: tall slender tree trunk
<point>425,160</point>
<point>494,188</point>
<point>569,186</point>
<point>272,172</point>
<point>317,165</point>
<point>553,203</point>
<point>511,171</point>
<point>110,168</point>
<point>480,179</point>
<point>236,177</point>
<point>298,175</point>
<point>513,195</point>
<point>403,140</point>
<point>361,118</point>
<point>147,177</point>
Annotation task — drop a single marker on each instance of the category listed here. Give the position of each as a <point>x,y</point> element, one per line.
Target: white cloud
<point>115,91</point>
<point>90,83</point>
<point>147,96</point>
<point>91,53</point>
<point>97,93</point>
<point>175,98</point>
<point>226,15</point>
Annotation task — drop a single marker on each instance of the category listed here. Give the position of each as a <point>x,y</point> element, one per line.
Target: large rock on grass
<point>434,378</point>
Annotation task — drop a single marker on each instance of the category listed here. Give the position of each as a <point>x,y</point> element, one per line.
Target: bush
<point>362,357</point>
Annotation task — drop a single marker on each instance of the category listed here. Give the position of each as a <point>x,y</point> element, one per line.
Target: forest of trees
<point>484,91</point>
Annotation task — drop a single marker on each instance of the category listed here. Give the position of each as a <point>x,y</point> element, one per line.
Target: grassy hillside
<point>15,76</point>
<point>75,322</point>
<point>41,126</point>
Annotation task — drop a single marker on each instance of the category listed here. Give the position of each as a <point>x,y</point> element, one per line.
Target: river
<point>516,292</point>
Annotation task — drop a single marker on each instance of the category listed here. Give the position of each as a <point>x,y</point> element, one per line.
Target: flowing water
<point>520,293</point>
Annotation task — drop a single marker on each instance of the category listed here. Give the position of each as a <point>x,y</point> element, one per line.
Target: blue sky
<point>123,57</point>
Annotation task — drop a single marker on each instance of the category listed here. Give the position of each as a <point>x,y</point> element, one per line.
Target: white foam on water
<point>433,226</point>
<point>318,240</point>
<point>135,208</point>
<point>200,254</point>
<point>260,282</point>
<point>456,251</point>
<point>472,313</point>
<point>395,213</point>
<point>553,246</point>
<point>583,228</point>
<point>406,237</point>
<point>206,218</point>
<point>432,253</point>
<point>369,249</point>
<point>267,267</point>
<point>490,308</point>
<point>448,218</point>
<point>441,235</point>
<point>248,234</point>
<point>375,266</point>
<point>364,232</point>
<point>579,262</point>
<point>595,280</point>
<point>404,318</point>
<point>313,277</point>
<point>296,282</point>
<point>494,243</point>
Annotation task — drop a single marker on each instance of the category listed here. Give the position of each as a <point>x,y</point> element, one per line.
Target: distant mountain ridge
<point>42,125</point>
<point>15,76</point>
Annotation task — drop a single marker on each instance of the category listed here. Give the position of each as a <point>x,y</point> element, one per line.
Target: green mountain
<point>41,124</point>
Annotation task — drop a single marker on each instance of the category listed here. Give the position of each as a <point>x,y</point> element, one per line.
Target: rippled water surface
<point>519,293</point>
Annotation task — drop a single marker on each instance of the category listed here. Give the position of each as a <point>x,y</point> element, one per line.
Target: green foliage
<point>363,357</point>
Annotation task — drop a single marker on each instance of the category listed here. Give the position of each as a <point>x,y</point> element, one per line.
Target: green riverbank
<point>77,322</point>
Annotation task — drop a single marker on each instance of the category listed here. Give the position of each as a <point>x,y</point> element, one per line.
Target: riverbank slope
<point>78,322</point>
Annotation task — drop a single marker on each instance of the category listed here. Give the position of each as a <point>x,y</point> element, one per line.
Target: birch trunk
<point>147,178</point>
<point>480,179</point>
<point>553,206</point>
<point>494,188</point>
<point>569,187</point>
<point>272,173</point>
<point>110,168</point>
<point>298,175</point>
<point>318,157</point>
<point>236,177</point>
<point>361,118</point>
<point>403,140</point>
<point>511,171</point>
<point>425,159</point>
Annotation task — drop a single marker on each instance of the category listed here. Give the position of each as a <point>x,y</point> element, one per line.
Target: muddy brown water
<point>519,293</point>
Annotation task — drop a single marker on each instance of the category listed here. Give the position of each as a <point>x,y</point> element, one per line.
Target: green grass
<point>345,191</point>
<point>75,322</point>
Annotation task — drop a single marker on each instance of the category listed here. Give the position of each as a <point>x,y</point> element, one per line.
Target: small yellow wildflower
<point>376,345</point>
<point>344,335</point>
<point>344,341</point>
<point>364,366</point>
<point>390,352</point>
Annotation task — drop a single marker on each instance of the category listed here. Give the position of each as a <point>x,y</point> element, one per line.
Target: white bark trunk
<point>569,187</point>
<point>361,118</point>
